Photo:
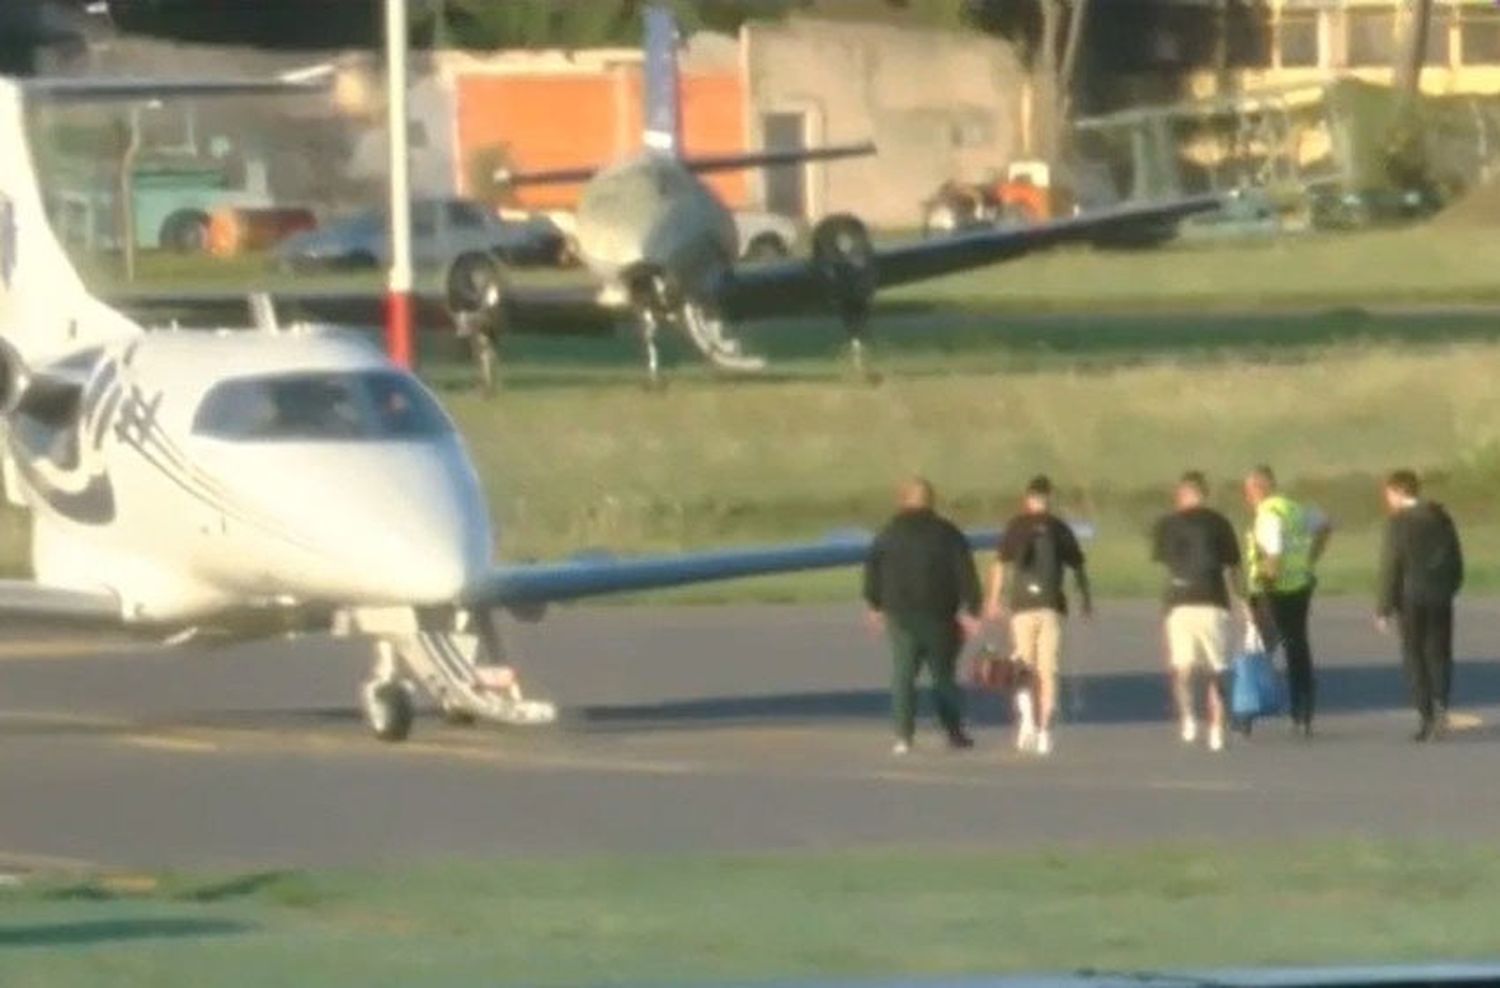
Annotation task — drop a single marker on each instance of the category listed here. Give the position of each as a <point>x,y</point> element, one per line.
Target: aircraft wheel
<point>388,709</point>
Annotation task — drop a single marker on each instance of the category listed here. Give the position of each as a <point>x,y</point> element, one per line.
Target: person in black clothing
<point>1421,571</point>
<point>922,589</point>
<point>1201,553</point>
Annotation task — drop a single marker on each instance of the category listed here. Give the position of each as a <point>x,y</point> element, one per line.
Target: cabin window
<point>320,407</point>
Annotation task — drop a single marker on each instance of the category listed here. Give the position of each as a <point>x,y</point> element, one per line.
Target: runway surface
<point>700,729</point>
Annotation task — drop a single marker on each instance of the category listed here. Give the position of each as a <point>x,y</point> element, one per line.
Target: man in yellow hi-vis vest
<point>1282,548</point>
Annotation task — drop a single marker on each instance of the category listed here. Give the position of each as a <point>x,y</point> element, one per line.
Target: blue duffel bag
<point>1255,690</point>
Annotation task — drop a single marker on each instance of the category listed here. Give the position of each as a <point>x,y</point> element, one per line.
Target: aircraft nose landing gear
<point>458,659</point>
<point>387,703</point>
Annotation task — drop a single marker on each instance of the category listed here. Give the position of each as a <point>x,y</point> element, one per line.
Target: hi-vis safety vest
<point>1295,570</point>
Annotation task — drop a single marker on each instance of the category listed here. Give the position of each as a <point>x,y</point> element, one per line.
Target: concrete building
<point>938,105</point>
<point>1157,50</point>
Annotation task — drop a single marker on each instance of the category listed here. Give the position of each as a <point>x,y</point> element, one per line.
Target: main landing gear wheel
<point>388,709</point>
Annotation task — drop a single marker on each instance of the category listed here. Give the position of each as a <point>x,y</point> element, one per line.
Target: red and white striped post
<point>399,316</point>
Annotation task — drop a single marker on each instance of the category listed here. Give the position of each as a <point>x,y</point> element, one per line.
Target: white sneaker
<point>1216,739</point>
<point>1026,738</point>
<point>1044,742</point>
<point>1189,730</point>
<point>901,748</point>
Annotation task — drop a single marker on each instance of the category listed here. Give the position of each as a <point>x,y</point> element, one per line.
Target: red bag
<point>991,669</point>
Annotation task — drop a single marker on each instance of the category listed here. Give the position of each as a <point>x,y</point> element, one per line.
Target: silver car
<point>442,229</point>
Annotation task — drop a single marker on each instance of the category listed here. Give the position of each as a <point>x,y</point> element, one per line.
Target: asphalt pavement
<point>698,729</point>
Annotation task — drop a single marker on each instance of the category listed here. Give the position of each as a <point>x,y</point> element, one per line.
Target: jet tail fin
<point>41,295</point>
<point>663,109</point>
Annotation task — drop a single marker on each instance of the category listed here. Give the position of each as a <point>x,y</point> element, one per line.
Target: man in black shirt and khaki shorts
<point>1198,547</point>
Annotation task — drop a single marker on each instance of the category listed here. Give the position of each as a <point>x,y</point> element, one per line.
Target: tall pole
<point>398,312</point>
<point>1413,53</point>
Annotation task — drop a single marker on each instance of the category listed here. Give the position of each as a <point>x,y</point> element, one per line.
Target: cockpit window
<point>319,406</point>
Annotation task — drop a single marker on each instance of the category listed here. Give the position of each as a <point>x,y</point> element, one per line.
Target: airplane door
<point>785,185</point>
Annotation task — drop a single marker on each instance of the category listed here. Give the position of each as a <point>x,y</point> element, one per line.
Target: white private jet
<point>252,484</point>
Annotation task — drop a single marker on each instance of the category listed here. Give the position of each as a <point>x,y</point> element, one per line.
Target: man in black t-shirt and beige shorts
<point>1198,547</point>
<point>1026,583</point>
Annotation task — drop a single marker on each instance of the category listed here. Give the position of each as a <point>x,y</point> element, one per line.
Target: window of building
<point>1372,37</point>
<point>1438,35</point>
<point>1480,34</point>
<point>1298,39</point>
<point>1249,40</point>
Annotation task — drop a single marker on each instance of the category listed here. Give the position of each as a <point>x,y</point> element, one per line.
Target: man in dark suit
<point>922,589</point>
<point>1421,571</point>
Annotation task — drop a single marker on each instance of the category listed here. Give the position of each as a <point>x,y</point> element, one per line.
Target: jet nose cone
<point>377,525</point>
<point>425,563</point>
<point>426,548</point>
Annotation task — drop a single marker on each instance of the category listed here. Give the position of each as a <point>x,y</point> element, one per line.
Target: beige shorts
<point>1037,639</point>
<point>1198,634</point>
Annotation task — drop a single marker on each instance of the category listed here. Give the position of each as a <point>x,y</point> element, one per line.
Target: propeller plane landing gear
<point>657,303</point>
<point>649,322</point>
<point>479,302</point>
<point>457,658</point>
<point>844,255</point>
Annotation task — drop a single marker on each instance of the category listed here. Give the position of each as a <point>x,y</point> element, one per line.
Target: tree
<point>1406,154</point>
<point>1413,52</point>
<point>492,24</point>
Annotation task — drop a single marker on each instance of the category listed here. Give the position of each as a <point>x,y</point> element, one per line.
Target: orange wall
<point>567,121</point>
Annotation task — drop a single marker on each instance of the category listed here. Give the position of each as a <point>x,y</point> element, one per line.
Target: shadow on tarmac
<point>93,932</point>
<point>1102,699</point>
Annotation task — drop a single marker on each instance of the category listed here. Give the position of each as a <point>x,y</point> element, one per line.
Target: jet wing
<point>543,583</point>
<point>32,601</point>
<point>702,164</point>
<point>788,286</point>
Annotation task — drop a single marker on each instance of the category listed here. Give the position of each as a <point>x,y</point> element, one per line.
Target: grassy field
<point>711,920</point>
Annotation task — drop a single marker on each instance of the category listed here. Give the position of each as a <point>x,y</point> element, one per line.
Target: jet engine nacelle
<point>15,379</point>
<point>528,613</point>
<point>477,293</point>
<point>844,255</point>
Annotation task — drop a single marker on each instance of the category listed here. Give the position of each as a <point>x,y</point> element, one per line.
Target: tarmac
<point>723,729</point>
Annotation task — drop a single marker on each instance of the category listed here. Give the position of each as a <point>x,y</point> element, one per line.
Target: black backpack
<point>1437,569</point>
<point>1192,558</point>
<point>1039,571</point>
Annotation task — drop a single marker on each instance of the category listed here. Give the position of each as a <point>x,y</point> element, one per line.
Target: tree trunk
<point>1413,52</point>
<point>1049,85</point>
<point>1068,71</point>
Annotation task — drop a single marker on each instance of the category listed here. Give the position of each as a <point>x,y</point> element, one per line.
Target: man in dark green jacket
<point>922,588</point>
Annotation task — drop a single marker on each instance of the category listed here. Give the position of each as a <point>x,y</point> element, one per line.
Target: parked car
<point>1356,209</point>
<point>441,230</point>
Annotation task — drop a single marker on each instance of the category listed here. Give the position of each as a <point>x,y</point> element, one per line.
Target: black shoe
<point>960,742</point>
<point>1424,733</point>
<point>1303,729</point>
